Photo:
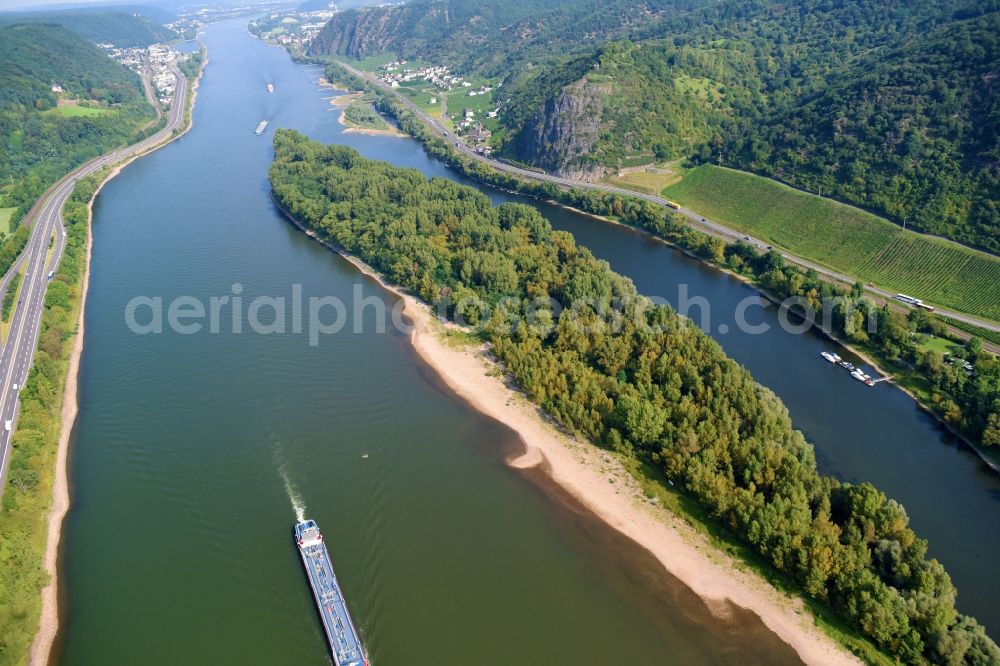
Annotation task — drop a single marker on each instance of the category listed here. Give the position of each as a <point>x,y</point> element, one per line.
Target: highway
<point>45,219</point>
<point>714,228</point>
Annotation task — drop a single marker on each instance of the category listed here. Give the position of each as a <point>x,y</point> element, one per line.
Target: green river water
<point>192,451</point>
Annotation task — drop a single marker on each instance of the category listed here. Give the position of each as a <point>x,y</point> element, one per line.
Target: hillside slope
<point>123,27</point>
<point>102,106</point>
<point>891,106</point>
<point>33,57</point>
<point>511,38</point>
<point>909,131</point>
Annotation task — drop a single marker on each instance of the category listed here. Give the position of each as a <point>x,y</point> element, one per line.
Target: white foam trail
<point>298,505</point>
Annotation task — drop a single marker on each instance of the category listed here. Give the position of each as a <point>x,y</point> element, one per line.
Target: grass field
<point>5,321</point>
<point>845,239</point>
<point>941,345</point>
<point>5,215</point>
<point>80,111</point>
<point>372,63</point>
<point>650,182</point>
<point>453,101</point>
<point>422,93</point>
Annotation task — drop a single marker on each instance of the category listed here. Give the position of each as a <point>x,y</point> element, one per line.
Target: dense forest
<point>41,142</point>
<point>122,26</point>
<point>968,401</point>
<point>638,379</point>
<point>889,106</point>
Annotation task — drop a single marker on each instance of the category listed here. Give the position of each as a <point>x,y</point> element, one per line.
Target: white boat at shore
<point>863,377</point>
<point>830,356</point>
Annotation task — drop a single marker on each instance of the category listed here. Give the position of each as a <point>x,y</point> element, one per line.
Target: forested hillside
<point>123,27</point>
<point>910,131</point>
<point>891,106</point>
<point>503,38</point>
<point>45,133</point>
<point>432,28</point>
<point>637,379</point>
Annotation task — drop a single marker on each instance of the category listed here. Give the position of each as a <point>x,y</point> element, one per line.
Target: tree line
<point>887,106</point>
<point>28,495</point>
<point>966,401</point>
<point>41,144</point>
<point>638,379</point>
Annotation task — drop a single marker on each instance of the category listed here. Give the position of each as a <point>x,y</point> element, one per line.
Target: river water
<point>879,435</point>
<point>193,453</point>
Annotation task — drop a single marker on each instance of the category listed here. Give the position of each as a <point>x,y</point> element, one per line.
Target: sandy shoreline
<point>343,101</point>
<point>601,484</point>
<point>580,468</point>
<point>48,624</point>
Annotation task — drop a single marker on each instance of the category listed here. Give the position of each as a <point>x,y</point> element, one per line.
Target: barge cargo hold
<point>340,632</point>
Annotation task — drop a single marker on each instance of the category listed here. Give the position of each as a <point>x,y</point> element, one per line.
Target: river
<point>193,453</point>
<point>879,435</point>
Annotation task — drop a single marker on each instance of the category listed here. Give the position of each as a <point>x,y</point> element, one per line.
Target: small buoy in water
<point>364,456</point>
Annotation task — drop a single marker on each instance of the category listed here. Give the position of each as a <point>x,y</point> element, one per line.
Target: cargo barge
<point>340,632</point>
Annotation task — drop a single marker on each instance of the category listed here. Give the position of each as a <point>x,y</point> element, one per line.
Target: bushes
<point>967,406</point>
<point>12,248</point>
<point>609,365</point>
<point>28,494</point>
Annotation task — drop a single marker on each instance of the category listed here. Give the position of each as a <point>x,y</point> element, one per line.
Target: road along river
<point>879,434</point>
<point>193,453</point>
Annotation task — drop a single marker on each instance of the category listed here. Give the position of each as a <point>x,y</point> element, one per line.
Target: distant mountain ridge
<point>473,34</point>
<point>124,27</point>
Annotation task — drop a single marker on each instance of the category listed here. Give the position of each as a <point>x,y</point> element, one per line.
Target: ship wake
<point>298,505</point>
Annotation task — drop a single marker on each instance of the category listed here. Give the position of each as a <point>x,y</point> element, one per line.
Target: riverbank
<point>343,102</point>
<point>419,129</point>
<point>48,625</point>
<point>868,356</point>
<point>601,483</point>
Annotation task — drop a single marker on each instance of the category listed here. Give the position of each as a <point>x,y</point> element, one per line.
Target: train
<point>915,302</point>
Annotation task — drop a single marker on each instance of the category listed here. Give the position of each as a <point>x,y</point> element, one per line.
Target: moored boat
<point>830,356</point>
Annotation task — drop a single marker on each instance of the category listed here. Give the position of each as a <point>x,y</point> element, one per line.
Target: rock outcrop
<point>361,33</point>
<point>562,133</point>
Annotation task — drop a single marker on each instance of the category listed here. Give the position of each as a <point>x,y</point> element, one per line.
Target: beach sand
<point>48,624</point>
<point>602,485</point>
<point>343,101</point>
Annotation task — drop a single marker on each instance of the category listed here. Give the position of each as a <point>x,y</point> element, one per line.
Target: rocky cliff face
<point>561,135</point>
<point>428,29</point>
<point>360,33</point>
